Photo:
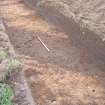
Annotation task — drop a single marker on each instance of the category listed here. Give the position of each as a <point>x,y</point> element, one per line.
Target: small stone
<point>93,90</point>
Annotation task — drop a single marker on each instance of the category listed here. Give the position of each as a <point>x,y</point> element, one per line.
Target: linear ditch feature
<point>80,36</point>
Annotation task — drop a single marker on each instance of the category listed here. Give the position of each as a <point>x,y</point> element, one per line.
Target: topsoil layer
<point>72,73</point>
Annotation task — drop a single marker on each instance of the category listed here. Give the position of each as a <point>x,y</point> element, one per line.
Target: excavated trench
<point>72,72</point>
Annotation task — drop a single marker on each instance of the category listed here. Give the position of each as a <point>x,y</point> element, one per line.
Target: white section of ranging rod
<point>43,43</point>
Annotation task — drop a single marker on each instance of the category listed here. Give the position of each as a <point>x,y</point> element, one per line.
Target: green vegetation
<point>10,64</point>
<point>3,55</point>
<point>6,94</point>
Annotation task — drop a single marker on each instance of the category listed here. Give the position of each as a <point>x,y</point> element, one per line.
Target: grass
<point>10,64</point>
<point>3,55</point>
<point>13,63</point>
<point>5,94</point>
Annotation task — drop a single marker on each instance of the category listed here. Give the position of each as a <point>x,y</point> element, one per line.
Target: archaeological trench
<point>61,44</point>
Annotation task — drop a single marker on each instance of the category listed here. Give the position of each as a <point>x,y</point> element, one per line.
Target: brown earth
<point>88,13</point>
<point>72,73</point>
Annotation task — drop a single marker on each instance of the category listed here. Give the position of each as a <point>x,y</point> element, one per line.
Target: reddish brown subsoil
<point>69,74</point>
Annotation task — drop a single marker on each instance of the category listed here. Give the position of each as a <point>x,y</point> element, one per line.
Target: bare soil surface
<point>89,13</point>
<point>70,74</point>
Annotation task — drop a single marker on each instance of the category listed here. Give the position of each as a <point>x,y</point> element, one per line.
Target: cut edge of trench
<point>11,51</point>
